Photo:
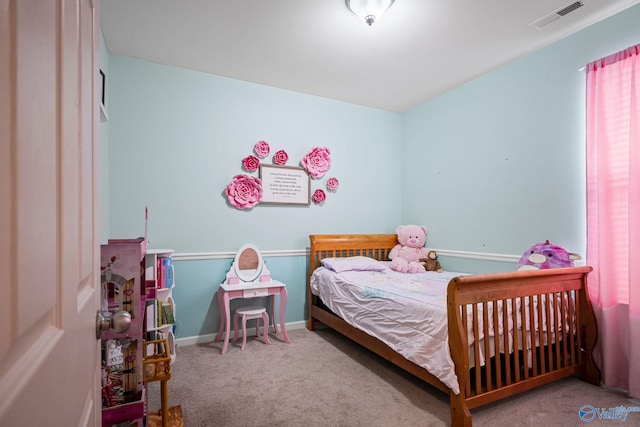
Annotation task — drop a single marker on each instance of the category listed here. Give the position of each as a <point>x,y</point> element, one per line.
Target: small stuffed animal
<point>410,248</point>
<point>431,263</point>
<point>546,255</point>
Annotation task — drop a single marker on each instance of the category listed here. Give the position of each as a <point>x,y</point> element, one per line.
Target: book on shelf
<point>160,275</point>
<point>167,267</point>
<point>159,313</point>
<point>164,273</point>
<point>167,312</point>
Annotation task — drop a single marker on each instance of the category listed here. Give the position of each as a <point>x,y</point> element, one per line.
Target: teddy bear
<point>431,263</point>
<point>410,248</point>
<point>546,255</point>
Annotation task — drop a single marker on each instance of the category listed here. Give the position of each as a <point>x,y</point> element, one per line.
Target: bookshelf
<point>160,308</point>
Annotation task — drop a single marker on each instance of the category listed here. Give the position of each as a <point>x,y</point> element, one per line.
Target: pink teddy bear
<point>406,254</point>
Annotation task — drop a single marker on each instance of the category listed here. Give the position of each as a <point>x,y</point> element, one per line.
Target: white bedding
<point>415,323</point>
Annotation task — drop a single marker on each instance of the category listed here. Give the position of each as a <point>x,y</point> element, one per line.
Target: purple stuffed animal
<point>546,255</point>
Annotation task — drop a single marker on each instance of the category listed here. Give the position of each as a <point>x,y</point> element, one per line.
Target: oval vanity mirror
<point>248,263</point>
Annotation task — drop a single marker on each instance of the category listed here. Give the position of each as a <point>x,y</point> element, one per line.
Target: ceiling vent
<point>548,19</point>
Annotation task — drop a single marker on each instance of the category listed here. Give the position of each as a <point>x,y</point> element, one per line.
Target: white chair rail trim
<point>484,256</point>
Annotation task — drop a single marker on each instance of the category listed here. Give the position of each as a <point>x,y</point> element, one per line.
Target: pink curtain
<point>613,214</point>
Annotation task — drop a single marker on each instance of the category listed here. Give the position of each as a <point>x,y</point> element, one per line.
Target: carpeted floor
<point>324,379</point>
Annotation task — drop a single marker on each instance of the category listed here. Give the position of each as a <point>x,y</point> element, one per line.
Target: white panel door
<point>49,241</point>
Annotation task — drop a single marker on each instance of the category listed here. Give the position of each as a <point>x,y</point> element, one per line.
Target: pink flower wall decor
<point>250,163</point>
<point>280,158</point>
<point>244,191</point>
<point>261,149</point>
<point>317,161</point>
<point>319,196</point>
<point>333,184</point>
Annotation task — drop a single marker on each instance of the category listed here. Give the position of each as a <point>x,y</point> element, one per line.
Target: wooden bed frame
<point>504,375</point>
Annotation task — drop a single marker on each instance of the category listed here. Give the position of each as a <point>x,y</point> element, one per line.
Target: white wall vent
<point>547,19</point>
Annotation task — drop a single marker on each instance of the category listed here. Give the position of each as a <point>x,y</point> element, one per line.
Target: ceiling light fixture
<point>368,10</point>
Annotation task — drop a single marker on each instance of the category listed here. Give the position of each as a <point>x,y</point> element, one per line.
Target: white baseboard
<point>207,338</point>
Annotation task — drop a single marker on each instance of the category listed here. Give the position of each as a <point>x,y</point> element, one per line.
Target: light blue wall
<point>492,166</point>
<point>502,157</point>
<point>177,138</point>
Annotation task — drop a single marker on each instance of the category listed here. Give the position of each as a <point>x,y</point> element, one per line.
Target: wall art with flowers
<point>279,183</point>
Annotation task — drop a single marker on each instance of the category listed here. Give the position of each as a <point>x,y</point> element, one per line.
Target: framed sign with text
<point>285,185</point>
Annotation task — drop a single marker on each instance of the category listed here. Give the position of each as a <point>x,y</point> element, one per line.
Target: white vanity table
<point>249,277</point>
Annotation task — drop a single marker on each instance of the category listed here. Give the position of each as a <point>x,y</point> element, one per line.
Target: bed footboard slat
<point>541,321</point>
<point>563,329</point>
<point>516,339</point>
<point>466,385</point>
<point>548,306</point>
<point>507,341</point>
<point>488,380</point>
<point>574,354</point>
<point>524,346</point>
<point>531,346</point>
<point>496,343</point>
<point>476,346</point>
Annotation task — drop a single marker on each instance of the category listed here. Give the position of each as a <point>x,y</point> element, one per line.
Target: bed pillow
<point>358,263</point>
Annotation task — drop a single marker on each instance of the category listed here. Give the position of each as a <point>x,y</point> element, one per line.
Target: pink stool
<point>247,313</point>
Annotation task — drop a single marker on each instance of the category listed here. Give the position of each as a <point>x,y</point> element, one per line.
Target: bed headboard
<point>375,246</point>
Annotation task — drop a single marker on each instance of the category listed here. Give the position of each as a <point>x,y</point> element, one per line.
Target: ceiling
<point>418,50</point>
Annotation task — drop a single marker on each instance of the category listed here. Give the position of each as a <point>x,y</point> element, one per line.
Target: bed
<point>524,328</point>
